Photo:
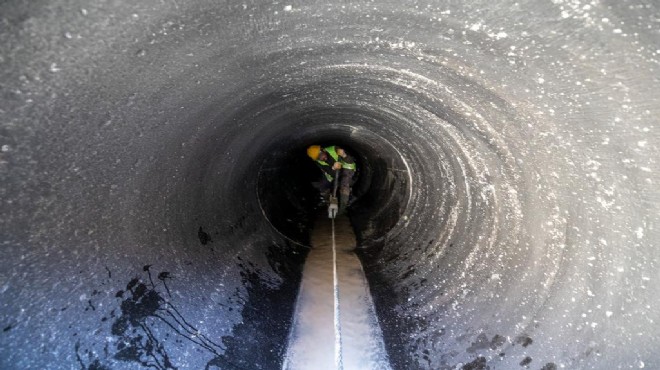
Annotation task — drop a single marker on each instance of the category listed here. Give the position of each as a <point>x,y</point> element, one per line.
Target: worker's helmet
<point>314,151</point>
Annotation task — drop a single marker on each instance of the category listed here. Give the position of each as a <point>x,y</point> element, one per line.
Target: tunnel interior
<point>290,202</point>
<point>157,202</point>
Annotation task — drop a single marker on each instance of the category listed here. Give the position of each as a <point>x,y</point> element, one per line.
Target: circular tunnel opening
<point>505,189</point>
<point>289,201</point>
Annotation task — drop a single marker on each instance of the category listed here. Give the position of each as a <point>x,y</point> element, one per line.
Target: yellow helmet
<point>314,151</point>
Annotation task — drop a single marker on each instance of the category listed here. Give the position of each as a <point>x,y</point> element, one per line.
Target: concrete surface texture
<point>154,187</point>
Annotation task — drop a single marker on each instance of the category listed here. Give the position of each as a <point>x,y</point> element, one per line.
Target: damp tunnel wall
<point>520,164</point>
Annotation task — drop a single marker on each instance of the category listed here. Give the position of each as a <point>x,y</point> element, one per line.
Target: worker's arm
<point>328,169</point>
<point>348,162</point>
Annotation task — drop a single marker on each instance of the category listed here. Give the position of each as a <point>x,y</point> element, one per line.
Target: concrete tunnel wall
<point>516,144</point>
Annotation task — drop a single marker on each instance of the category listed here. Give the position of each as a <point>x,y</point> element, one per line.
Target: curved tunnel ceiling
<point>509,205</point>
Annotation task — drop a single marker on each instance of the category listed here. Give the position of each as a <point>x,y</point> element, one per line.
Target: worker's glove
<point>336,166</point>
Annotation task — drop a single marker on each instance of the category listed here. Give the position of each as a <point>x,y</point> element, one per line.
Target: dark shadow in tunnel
<point>245,347</point>
<point>290,202</point>
<point>387,188</point>
<point>381,190</point>
<point>285,195</point>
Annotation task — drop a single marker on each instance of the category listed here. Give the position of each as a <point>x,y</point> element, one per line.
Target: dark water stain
<point>7,328</point>
<point>497,341</point>
<point>137,342</point>
<point>409,271</point>
<point>147,324</point>
<point>164,276</point>
<point>478,364</point>
<point>524,340</point>
<point>204,237</point>
<point>526,361</point>
<point>137,339</point>
<point>259,342</point>
<point>482,342</point>
<point>425,357</point>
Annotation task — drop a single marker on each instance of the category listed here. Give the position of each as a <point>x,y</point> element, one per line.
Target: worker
<point>330,160</point>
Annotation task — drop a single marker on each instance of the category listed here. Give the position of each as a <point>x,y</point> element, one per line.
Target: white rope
<point>338,360</point>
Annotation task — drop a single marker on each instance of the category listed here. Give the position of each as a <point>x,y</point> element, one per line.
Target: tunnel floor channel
<point>354,340</point>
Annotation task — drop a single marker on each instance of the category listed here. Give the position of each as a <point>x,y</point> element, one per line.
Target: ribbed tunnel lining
<point>522,135</point>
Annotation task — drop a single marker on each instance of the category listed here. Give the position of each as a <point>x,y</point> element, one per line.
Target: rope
<point>338,359</point>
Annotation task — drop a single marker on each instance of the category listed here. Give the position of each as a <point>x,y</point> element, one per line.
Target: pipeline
<point>155,193</point>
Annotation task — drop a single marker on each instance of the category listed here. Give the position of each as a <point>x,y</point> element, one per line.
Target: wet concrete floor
<point>313,337</point>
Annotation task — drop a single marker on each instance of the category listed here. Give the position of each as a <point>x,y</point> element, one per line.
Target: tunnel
<point>156,197</point>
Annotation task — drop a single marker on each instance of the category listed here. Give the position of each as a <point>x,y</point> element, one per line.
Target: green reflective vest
<point>332,151</point>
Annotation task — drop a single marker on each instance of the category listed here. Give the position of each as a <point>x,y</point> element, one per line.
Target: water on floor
<point>312,339</point>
